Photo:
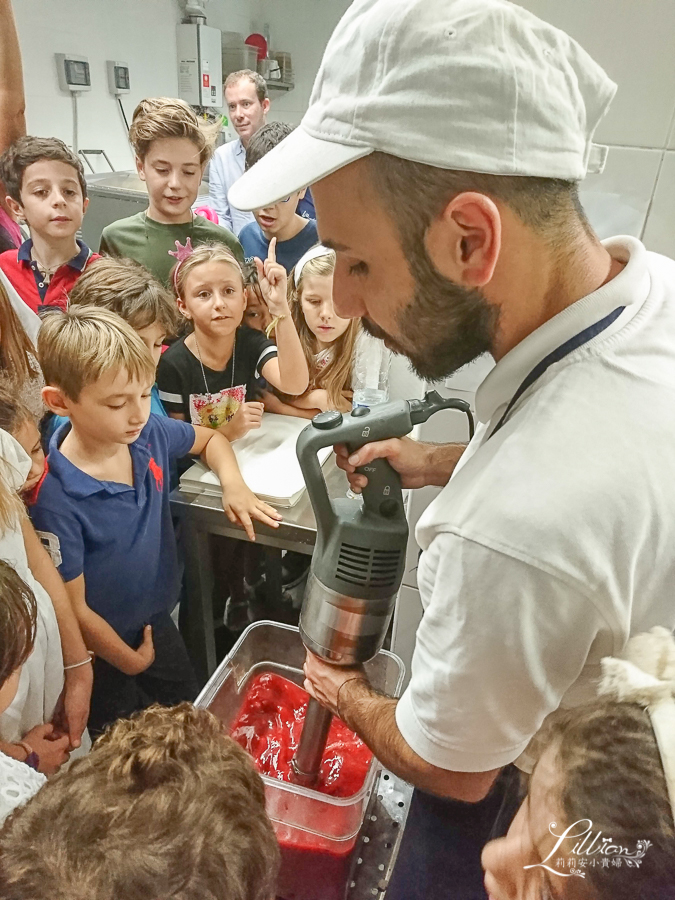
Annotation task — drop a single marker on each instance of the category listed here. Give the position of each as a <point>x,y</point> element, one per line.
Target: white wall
<point>141,33</point>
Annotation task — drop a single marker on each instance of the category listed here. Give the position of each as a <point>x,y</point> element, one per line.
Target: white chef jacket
<point>553,542</point>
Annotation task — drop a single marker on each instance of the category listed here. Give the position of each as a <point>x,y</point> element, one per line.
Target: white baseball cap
<point>480,85</point>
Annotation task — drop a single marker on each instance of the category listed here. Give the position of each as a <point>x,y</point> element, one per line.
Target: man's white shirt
<point>553,541</point>
<point>226,167</point>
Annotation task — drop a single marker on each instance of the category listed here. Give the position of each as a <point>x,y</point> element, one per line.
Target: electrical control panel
<point>200,65</point>
<point>118,77</point>
<point>73,71</point>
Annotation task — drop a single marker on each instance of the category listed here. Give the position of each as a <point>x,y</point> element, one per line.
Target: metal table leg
<point>198,631</point>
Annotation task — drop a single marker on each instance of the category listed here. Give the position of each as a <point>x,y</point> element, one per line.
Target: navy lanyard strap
<point>556,356</point>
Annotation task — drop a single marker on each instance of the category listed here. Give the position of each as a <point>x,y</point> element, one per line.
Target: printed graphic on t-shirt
<point>214,410</point>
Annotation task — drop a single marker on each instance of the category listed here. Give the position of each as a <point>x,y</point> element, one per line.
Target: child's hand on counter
<point>241,505</point>
<point>273,280</point>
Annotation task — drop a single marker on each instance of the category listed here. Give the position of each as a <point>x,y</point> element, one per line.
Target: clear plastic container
<point>317,833</point>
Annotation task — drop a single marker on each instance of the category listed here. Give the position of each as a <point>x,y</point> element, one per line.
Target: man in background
<point>247,105</point>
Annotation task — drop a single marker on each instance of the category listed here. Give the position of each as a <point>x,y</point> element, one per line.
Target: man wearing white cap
<point>445,140</point>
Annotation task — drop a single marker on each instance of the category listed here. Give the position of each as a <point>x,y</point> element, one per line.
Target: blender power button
<point>326,420</point>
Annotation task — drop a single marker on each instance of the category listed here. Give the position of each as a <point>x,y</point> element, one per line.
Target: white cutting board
<point>267,460</point>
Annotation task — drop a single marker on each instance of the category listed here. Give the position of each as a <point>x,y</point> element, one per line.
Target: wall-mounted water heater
<point>200,69</point>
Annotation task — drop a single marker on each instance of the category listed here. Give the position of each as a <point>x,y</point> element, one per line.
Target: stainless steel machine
<point>359,555</point>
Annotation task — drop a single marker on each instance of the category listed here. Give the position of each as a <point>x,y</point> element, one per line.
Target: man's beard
<point>444,327</point>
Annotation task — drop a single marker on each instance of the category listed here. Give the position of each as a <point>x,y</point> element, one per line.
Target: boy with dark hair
<point>165,805</point>
<point>102,509</point>
<point>45,187</point>
<point>294,234</point>
<point>172,151</point>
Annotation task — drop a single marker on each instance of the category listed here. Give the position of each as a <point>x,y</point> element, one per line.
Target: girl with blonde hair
<point>209,377</point>
<point>329,342</point>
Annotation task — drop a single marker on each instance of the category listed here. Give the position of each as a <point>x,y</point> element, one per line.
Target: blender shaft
<point>307,760</point>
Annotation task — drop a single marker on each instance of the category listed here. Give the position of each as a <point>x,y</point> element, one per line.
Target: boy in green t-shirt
<point>171,154</point>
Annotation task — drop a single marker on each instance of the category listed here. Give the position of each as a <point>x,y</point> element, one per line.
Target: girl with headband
<point>598,820</point>
<point>328,342</point>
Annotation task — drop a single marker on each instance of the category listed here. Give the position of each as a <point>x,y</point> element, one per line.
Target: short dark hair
<point>165,805</point>
<point>28,150</point>
<point>18,621</point>
<point>128,289</point>
<point>254,77</point>
<point>415,194</point>
<point>265,140</point>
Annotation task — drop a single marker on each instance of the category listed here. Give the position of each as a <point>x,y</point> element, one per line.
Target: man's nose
<point>347,299</point>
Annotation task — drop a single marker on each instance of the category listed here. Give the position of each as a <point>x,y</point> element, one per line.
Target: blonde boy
<point>172,151</point>
<point>103,508</point>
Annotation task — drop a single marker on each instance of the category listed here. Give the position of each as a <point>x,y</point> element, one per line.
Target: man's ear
<point>56,401</point>
<point>140,168</point>
<point>15,208</point>
<point>464,241</point>
<point>266,105</point>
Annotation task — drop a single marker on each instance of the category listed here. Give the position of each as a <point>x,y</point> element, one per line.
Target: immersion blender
<point>359,556</point>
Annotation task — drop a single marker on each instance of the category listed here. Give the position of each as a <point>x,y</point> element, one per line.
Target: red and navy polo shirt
<point>119,536</point>
<point>29,282</point>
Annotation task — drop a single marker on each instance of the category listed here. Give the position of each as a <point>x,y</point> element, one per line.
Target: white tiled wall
<point>633,41</point>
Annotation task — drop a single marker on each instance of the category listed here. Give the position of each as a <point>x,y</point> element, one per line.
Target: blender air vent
<point>366,567</point>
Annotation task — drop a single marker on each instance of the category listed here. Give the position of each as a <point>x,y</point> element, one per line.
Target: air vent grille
<point>368,568</point>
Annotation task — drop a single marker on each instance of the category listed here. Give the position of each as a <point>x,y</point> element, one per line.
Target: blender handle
<point>382,494</point>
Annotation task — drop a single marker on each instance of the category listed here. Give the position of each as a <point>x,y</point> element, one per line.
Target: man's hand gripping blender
<point>359,556</point>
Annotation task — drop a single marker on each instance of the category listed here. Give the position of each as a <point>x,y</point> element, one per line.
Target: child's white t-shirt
<point>18,783</point>
<point>42,677</point>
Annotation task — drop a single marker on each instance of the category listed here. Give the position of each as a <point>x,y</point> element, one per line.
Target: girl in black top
<point>208,377</point>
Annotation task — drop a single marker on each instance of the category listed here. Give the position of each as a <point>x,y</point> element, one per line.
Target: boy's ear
<point>56,401</point>
<point>140,168</point>
<point>85,204</point>
<point>301,194</point>
<point>15,208</point>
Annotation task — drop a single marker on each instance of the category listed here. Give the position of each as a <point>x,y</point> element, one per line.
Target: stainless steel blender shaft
<point>307,760</point>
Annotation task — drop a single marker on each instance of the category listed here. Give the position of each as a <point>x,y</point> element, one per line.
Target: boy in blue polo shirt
<point>103,507</point>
